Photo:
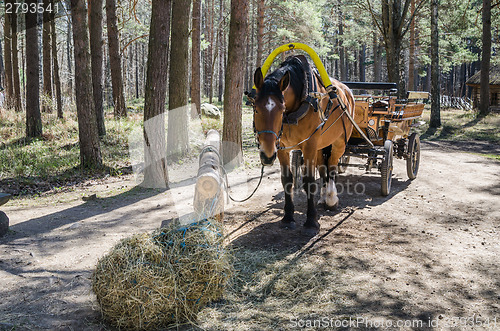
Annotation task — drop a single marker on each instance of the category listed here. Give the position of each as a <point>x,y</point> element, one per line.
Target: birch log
<point>209,189</point>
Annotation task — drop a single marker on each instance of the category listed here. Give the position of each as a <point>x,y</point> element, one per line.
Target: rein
<point>251,195</point>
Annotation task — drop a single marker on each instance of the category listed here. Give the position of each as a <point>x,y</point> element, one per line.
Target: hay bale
<point>153,280</point>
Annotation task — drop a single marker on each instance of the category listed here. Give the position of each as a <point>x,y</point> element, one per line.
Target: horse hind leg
<point>331,198</point>
<point>322,166</point>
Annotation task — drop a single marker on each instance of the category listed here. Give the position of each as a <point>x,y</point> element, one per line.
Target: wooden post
<point>209,189</point>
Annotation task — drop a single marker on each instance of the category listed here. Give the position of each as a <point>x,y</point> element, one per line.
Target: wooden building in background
<point>475,82</point>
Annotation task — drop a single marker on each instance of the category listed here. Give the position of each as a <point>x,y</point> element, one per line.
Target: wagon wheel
<point>296,168</point>
<point>343,159</point>
<point>413,158</point>
<point>386,168</point>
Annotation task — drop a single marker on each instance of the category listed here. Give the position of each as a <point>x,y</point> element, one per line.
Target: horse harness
<point>311,98</point>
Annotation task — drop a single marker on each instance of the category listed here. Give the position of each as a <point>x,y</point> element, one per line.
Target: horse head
<point>269,108</point>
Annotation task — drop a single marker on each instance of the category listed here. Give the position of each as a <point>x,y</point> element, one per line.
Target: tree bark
<point>484,106</point>
<point>47,61</point>
<point>234,84</point>
<point>33,116</point>
<point>95,24</point>
<point>221,51</point>
<point>362,66</point>
<point>209,20</point>
<point>120,109</point>
<point>376,59</point>
<point>9,91</point>
<point>55,69</point>
<point>90,151</point>
<point>261,5</point>
<point>435,120</point>
<point>155,158</point>
<point>411,60</point>
<point>68,56</point>
<point>393,27</point>
<point>16,85</point>
<point>342,55</point>
<point>136,70</point>
<point>177,140</point>
<point>2,67</point>
<point>196,60</point>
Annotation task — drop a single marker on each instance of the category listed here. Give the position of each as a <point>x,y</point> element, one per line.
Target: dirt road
<point>428,252</point>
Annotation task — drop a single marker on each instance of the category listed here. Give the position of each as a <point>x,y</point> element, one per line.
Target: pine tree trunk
<point>209,72</point>
<point>47,61</point>
<point>221,51</point>
<point>393,21</point>
<point>90,151</point>
<point>342,55</point>
<point>155,158</point>
<point>261,5</point>
<point>33,116</point>
<point>196,60</point>
<point>16,85</point>
<point>411,62</point>
<point>68,57</point>
<point>95,24</point>
<point>250,49</point>
<point>137,70</point>
<point>55,69</point>
<point>2,69</point>
<point>177,140</point>
<point>435,120</point>
<point>484,106</point>
<point>9,91</point>
<point>120,109</point>
<point>362,66</point>
<point>234,83</point>
<point>376,59</point>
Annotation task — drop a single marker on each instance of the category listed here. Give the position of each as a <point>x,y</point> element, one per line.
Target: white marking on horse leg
<point>270,104</point>
<point>331,198</point>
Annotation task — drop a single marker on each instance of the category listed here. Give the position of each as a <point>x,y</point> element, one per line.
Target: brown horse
<point>279,97</point>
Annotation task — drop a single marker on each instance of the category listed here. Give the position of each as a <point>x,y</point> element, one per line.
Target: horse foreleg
<point>311,187</point>
<point>287,181</point>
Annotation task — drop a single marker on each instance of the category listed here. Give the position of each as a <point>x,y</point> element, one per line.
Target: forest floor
<point>424,257</point>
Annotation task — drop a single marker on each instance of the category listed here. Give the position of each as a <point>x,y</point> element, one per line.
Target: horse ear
<point>258,79</point>
<point>285,81</point>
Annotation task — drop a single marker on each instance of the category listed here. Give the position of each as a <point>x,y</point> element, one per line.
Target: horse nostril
<point>265,160</point>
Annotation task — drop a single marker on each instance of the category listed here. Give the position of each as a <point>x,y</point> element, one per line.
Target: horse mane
<point>297,78</point>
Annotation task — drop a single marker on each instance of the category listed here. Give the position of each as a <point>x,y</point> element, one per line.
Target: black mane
<point>297,79</point>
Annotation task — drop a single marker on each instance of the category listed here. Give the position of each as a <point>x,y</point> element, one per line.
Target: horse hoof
<point>311,227</point>
<point>311,231</point>
<point>290,225</point>
<point>332,208</point>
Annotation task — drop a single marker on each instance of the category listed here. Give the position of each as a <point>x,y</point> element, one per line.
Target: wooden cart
<point>383,132</point>
<point>387,123</point>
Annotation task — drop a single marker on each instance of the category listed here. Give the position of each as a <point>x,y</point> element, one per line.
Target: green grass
<point>459,125</point>
<point>490,156</point>
<point>28,166</point>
